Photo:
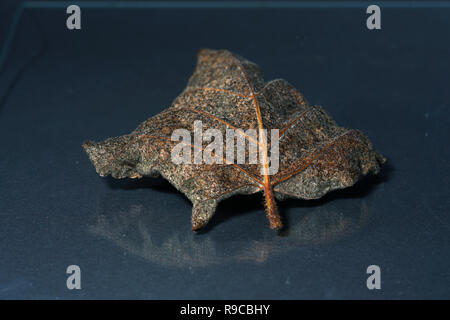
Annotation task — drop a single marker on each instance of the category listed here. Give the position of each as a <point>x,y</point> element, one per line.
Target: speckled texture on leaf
<point>316,155</point>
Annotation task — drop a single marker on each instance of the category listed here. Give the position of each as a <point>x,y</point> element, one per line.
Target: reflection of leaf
<point>129,229</point>
<point>133,225</point>
<point>228,91</point>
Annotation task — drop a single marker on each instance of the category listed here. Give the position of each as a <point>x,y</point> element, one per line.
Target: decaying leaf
<point>227,91</point>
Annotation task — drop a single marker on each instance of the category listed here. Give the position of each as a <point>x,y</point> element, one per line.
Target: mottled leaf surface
<point>227,91</point>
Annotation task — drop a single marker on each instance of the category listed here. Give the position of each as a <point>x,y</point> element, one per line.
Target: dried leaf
<point>227,91</point>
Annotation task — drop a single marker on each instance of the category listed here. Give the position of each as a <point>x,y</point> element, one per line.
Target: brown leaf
<point>227,91</point>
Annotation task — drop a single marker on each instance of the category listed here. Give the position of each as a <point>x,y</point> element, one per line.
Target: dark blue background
<point>132,239</point>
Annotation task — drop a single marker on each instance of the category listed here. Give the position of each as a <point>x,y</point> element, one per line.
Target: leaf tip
<point>380,158</point>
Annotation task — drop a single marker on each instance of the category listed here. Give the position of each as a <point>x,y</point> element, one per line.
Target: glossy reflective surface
<point>132,239</point>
